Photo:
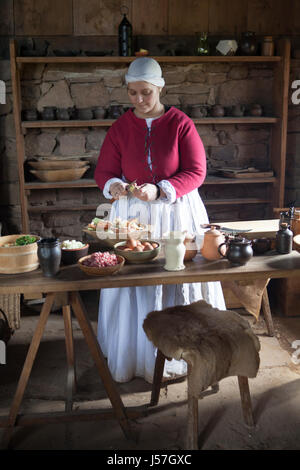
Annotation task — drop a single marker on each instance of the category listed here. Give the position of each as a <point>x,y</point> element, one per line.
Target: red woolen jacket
<point>177,152</point>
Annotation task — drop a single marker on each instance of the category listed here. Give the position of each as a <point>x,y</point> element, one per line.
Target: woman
<point>159,148</point>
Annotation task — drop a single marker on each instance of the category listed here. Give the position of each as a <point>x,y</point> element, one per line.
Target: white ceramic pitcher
<point>174,250</point>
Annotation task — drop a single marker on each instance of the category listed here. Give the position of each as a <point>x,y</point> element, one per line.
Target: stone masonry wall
<point>83,86</point>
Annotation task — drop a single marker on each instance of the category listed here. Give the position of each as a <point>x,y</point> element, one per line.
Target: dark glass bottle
<point>125,37</point>
<point>284,239</point>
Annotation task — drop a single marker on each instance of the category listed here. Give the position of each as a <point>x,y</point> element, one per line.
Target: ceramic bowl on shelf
<point>69,174</point>
<point>73,255</point>
<point>100,271</point>
<point>138,257</point>
<point>296,240</point>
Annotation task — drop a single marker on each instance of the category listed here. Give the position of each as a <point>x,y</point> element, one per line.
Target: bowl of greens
<point>18,253</point>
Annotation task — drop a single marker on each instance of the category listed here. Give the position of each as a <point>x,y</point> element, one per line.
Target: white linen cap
<point>145,69</point>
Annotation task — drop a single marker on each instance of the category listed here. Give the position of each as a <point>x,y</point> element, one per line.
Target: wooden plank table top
<point>71,278</point>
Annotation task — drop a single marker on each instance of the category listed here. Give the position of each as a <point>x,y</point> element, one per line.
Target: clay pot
<point>255,110</point>
<point>197,111</point>
<point>237,110</point>
<point>63,114</point>
<point>115,111</point>
<point>99,112</point>
<point>248,44</point>
<point>217,111</point>
<point>48,113</point>
<point>30,115</point>
<point>238,251</point>
<point>261,245</point>
<point>212,240</point>
<point>190,248</point>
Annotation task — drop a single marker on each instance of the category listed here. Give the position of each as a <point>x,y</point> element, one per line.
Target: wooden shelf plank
<point>160,59</point>
<point>57,208</point>
<point>90,183</point>
<point>225,202</point>
<point>71,123</point>
<point>83,183</point>
<point>109,122</point>
<point>220,180</point>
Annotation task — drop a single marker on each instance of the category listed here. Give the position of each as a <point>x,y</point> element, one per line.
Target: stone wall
<point>86,85</point>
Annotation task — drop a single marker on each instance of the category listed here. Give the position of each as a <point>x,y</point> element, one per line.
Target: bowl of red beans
<point>101,263</point>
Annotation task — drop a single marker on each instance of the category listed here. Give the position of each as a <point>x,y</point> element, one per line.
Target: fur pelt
<point>215,343</point>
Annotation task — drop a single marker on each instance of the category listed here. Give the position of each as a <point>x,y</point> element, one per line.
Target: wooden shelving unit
<point>278,123</point>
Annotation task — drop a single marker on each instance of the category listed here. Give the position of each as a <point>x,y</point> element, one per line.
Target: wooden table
<point>72,280</point>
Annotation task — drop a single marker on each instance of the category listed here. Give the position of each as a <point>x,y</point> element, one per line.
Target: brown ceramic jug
<point>213,238</point>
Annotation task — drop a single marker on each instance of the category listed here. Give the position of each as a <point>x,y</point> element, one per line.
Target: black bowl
<point>73,255</point>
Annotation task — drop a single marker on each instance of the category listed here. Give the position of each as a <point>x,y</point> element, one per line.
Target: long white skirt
<point>122,310</point>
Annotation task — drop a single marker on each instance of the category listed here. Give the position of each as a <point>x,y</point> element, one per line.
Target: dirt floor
<point>275,396</point>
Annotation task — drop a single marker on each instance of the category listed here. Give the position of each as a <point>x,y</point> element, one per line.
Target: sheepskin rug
<point>215,343</point>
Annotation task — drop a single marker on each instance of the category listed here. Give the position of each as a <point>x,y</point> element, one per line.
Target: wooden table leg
<point>157,377</point>
<point>22,383</point>
<point>246,400</point>
<point>96,352</point>
<point>71,373</point>
<point>265,306</point>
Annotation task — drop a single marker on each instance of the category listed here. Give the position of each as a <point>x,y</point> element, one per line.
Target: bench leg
<point>192,419</point>
<point>157,377</point>
<point>246,400</point>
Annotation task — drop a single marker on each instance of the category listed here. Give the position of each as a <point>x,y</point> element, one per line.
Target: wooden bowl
<point>101,271</point>
<point>73,255</point>
<point>57,164</point>
<point>69,174</point>
<point>296,240</point>
<point>137,257</point>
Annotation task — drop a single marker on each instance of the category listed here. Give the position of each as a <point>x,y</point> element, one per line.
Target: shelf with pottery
<point>108,122</point>
<point>160,59</point>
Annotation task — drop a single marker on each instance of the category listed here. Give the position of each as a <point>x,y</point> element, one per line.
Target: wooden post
<point>71,374</point>
<point>192,418</point>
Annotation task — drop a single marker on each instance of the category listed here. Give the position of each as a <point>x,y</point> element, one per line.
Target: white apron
<point>122,310</point>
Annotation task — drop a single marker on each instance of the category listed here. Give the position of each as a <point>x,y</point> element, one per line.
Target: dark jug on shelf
<point>85,114</point>
<point>63,114</point>
<point>237,110</point>
<point>49,113</point>
<point>49,255</point>
<point>238,252</point>
<point>217,110</point>
<point>248,44</point>
<point>115,111</point>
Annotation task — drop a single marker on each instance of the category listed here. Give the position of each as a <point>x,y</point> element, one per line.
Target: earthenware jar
<point>248,44</point>
<point>48,113</point>
<point>217,111</point>
<point>213,238</point>
<point>255,110</point>
<point>49,255</point>
<point>174,250</point>
<point>115,111</point>
<point>63,114</point>
<point>99,112</point>
<point>190,248</point>
<point>238,251</point>
<point>261,245</point>
<point>30,115</point>
<point>197,111</point>
<point>237,110</point>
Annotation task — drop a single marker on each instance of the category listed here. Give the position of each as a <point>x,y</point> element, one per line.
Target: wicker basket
<point>10,304</point>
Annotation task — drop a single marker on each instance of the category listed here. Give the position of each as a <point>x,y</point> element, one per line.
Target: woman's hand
<point>118,190</point>
<point>146,192</point>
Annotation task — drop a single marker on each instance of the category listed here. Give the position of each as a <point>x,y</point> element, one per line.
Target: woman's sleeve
<point>109,161</point>
<point>192,171</point>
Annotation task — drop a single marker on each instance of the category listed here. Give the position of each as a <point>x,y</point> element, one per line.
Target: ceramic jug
<point>238,251</point>
<point>237,110</point>
<point>255,110</point>
<point>217,110</point>
<point>213,238</point>
<point>174,250</point>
